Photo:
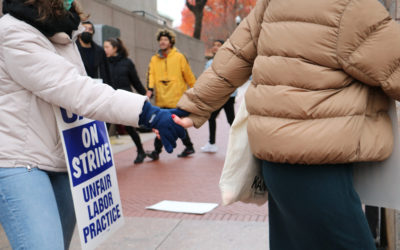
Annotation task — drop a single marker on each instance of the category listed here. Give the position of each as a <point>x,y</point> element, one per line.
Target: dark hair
<point>167,33</point>
<point>89,22</point>
<point>117,43</point>
<point>219,41</point>
<point>54,9</point>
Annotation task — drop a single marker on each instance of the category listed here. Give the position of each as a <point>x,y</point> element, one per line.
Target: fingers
<point>168,147</point>
<point>179,112</point>
<point>173,132</point>
<point>155,131</point>
<point>180,131</point>
<point>168,139</point>
<point>184,122</point>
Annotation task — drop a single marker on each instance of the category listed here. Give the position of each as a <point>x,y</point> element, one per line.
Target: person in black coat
<point>123,70</point>
<point>123,76</point>
<point>93,55</point>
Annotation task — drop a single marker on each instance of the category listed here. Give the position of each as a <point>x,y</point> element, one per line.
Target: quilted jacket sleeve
<point>231,68</point>
<point>30,63</point>
<point>369,46</point>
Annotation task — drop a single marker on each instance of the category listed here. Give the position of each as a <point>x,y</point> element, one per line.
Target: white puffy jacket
<point>37,72</point>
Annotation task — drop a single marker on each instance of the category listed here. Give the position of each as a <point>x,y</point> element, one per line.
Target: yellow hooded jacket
<point>169,77</point>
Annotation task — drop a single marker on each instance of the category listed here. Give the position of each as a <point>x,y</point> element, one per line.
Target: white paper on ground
<point>377,183</point>
<point>184,207</point>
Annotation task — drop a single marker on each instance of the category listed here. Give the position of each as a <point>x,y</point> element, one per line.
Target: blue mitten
<point>160,119</point>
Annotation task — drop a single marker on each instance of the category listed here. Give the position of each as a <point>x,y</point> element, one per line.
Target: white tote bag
<point>377,183</point>
<point>241,178</point>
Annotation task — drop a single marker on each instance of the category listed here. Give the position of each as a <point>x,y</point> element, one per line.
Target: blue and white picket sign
<point>92,175</point>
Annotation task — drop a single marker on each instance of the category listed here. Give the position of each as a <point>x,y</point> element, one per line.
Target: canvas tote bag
<point>241,178</point>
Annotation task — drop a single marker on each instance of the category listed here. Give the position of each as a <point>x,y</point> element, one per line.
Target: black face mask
<point>87,37</point>
<point>30,14</point>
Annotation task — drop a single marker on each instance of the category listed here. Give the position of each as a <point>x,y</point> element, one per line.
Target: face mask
<point>68,4</point>
<point>87,37</point>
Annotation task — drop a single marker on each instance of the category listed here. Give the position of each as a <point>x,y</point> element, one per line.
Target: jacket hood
<point>30,15</point>
<point>161,55</point>
<point>114,59</point>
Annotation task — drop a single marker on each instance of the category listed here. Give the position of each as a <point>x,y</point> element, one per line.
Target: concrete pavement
<point>181,234</point>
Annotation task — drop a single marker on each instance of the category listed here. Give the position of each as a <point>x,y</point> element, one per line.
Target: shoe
<point>140,158</point>
<point>186,152</point>
<point>209,148</point>
<point>154,155</point>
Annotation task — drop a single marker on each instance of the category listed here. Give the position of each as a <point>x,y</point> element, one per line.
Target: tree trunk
<point>198,24</point>
<point>197,11</point>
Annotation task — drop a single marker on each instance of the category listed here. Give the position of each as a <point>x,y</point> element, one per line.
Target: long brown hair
<point>117,43</point>
<point>49,9</point>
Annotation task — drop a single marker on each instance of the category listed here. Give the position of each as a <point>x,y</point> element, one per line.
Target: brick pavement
<point>194,179</point>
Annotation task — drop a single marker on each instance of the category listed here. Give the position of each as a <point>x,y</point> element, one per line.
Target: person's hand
<point>149,94</point>
<point>185,122</point>
<point>179,117</point>
<point>161,120</point>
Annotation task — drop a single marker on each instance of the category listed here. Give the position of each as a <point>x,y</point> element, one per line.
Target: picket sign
<point>378,183</point>
<point>92,176</point>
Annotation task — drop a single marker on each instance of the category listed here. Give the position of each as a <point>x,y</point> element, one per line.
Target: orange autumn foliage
<point>219,18</point>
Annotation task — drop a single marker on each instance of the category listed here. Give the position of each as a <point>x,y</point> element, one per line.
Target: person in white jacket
<point>40,66</point>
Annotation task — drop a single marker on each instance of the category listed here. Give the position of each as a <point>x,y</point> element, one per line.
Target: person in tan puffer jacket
<point>323,75</point>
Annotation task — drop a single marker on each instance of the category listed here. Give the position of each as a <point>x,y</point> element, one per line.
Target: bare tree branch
<point>190,6</point>
<point>197,11</point>
<point>202,3</point>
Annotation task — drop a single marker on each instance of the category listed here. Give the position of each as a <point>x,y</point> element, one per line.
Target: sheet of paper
<point>184,207</point>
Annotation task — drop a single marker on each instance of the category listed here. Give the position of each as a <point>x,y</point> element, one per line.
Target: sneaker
<point>140,158</point>
<point>186,152</point>
<point>209,148</point>
<point>154,155</point>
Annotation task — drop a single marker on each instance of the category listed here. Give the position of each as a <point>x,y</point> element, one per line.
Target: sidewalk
<point>196,178</point>
<point>175,234</point>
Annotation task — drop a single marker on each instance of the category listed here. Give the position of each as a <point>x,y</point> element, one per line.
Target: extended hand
<point>185,122</point>
<point>179,117</point>
<point>161,120</point>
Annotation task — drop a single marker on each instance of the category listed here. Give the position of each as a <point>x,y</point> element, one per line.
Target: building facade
<point>147,8</point>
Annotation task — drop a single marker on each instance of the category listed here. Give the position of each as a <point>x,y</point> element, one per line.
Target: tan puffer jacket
<point>322,73</point>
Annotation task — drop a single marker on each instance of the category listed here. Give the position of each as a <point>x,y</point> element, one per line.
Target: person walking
<point>169,76</point>
<point>323,76</point>
<point>40,67</point>
<point>228,107</point>
<point>93,55</point>
<point>124,75</point>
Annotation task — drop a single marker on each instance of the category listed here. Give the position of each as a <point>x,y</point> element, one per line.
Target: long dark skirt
<point>315,208</point>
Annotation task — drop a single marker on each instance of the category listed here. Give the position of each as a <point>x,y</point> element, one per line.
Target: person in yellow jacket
<point>169,76</point>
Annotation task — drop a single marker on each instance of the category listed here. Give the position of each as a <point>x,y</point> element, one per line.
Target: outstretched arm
<point>231,68</point>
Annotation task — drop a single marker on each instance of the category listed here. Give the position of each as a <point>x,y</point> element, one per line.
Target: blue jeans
<point>36,207</point>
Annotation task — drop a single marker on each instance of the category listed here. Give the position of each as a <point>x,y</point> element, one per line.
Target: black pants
<point>314,208</point>
<point>134,135</point>
<point>230,116</point>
